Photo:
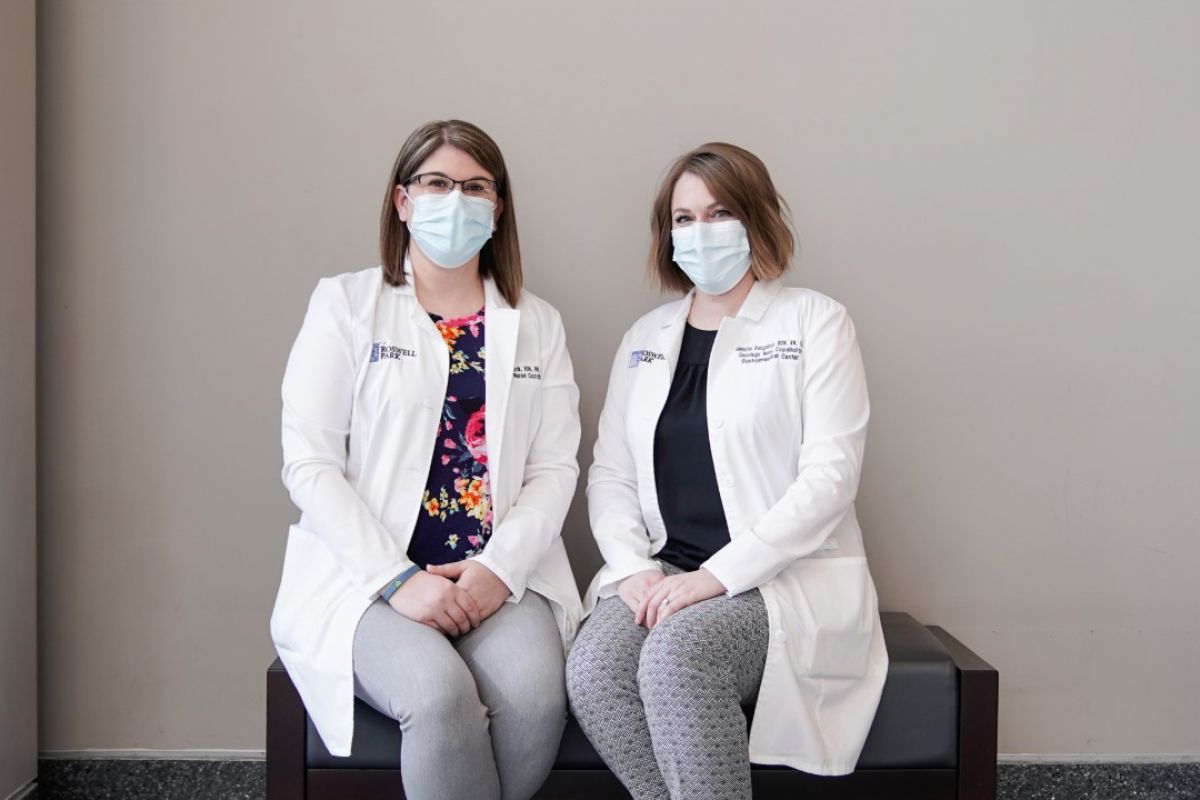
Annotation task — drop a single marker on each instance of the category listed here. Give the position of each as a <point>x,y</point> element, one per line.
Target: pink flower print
<point>449,427</point>
<point>449,444</point>
<point>445,460</point>
<point>476,438</point>
<point>452,398</point>
<point>475,540</point>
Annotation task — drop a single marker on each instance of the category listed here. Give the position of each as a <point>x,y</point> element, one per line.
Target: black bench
<point>933,737</point>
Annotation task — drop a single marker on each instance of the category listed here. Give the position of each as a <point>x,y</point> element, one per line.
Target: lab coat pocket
<point>307,590</point>
<point>829,605</point>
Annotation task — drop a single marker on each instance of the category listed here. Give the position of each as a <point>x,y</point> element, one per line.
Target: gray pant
<point>482,714</point>
<point>663,707</point>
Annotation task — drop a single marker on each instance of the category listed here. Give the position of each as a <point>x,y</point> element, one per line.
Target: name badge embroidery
<point>644,357</point>
<point>528,372</point>
<point>780,350</point>
<point>381,351</point>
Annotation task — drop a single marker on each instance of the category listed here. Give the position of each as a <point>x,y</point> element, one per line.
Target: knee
<point>594,672</point>
<point>446,700</point>
<point>535,692</point>
<point>671,651</point>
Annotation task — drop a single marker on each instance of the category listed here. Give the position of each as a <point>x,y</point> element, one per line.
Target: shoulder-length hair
<point>500,258</point>
<point>739,180</point>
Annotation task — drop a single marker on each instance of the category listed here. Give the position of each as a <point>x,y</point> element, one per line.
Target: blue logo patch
<point>644,357</point>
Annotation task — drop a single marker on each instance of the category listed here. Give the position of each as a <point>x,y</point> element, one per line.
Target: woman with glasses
<point>722,497</point>
<point>430,429</point>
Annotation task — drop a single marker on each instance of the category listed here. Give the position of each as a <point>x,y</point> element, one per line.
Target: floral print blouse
<point>456,516</point>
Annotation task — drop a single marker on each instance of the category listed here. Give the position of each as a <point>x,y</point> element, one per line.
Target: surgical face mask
<point>715,255</point>
<point>450,228</point>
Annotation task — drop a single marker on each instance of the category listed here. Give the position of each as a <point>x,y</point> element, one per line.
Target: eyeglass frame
<point>495,194</point>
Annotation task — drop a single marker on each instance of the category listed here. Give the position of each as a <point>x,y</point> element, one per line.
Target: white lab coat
<point>362,399</point>
<point>787,419</point>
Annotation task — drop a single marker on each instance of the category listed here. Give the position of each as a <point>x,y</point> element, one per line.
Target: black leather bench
<point>934,736</point>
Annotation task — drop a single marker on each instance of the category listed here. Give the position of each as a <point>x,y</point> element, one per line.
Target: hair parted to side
<point>739,180</point>
<point>500,258</point>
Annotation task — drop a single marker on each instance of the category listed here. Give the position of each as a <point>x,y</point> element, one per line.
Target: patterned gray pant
<point>663,707</point>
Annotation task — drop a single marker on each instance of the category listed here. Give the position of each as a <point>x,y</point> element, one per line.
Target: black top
<point>683,466</point>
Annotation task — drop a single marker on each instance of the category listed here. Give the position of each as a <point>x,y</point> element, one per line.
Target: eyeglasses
<point>437,183</point>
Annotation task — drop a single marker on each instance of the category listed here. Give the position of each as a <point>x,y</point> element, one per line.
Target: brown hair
<point>739,180</point>
<point>500,258</point>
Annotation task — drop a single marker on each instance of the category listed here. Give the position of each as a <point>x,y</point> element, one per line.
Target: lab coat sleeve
<point>834,413</point>
<point>535,519</point>
<point>614,510</point>
<point>318,391</point>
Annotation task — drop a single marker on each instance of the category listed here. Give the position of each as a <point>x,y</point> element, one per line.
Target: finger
<point>679,601</point>
<point>471,608</point>
<point>452,570</point>
<point>446,623</point>
<point>459,616</point>
<point>643,606</point>
<point>654,602</point>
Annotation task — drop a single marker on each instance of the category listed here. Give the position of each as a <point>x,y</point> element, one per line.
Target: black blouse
<point>683,467</point>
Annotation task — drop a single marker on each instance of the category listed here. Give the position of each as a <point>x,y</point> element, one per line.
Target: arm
<point>318,391</point>
<point>614,509</point>
<point>834,410</point>
<point>551,471</point>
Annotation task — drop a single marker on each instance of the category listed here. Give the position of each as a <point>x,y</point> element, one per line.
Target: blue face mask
<point>715,255</point>
<point>451,228</point>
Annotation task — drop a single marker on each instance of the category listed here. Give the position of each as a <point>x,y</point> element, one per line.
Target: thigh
<point>515,652</point>
<point>608,643</point>
<point>727,636</point>
<point>402,666</point>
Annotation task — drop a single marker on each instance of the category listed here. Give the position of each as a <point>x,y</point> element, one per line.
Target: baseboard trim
<point>25,791</point>
<point>153,755</point>
<point>1098,758</point>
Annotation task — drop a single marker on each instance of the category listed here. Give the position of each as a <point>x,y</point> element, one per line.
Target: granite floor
<point>245,780</point>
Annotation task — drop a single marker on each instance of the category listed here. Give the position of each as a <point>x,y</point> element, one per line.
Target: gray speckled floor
<point>1099,781</point>
<point>133,779</point>
<point>150,779</point>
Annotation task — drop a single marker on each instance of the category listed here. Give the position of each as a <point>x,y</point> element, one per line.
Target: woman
<point>430,428</point>
<point>722,499</point>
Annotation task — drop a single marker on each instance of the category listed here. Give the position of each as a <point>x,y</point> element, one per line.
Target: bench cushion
<point>916,724</point>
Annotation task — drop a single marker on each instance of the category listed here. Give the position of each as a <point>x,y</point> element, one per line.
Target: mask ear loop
<point>408,197</point>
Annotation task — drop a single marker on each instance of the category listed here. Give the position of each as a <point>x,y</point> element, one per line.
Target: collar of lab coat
<point>492,296</point>
<point>753,307</point>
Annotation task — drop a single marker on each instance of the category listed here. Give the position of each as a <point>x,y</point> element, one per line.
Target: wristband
<point>399,580</point>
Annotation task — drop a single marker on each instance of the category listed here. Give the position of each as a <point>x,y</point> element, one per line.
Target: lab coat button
<point>781,636</point>
<point>719,422</point>
<point>727,480</point>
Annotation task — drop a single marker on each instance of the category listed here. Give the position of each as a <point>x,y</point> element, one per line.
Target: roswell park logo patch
<point>382,350</point>
<point>644,357</point>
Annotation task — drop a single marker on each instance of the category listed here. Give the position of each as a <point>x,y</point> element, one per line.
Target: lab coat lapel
<point>501,328</point>
<point>668,342</point>
<point>649,396</point>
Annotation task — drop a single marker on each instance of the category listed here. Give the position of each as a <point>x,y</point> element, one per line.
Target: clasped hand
<point>452,598</point>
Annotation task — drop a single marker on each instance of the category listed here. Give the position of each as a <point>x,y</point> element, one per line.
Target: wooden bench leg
<point>978,705</point>
<point>286,726</point>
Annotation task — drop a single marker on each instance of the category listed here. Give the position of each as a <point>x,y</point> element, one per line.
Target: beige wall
<point>18,542</point>
<point>1004,195</point>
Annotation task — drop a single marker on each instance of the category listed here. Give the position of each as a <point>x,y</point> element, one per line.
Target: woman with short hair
<point>722,499</point>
